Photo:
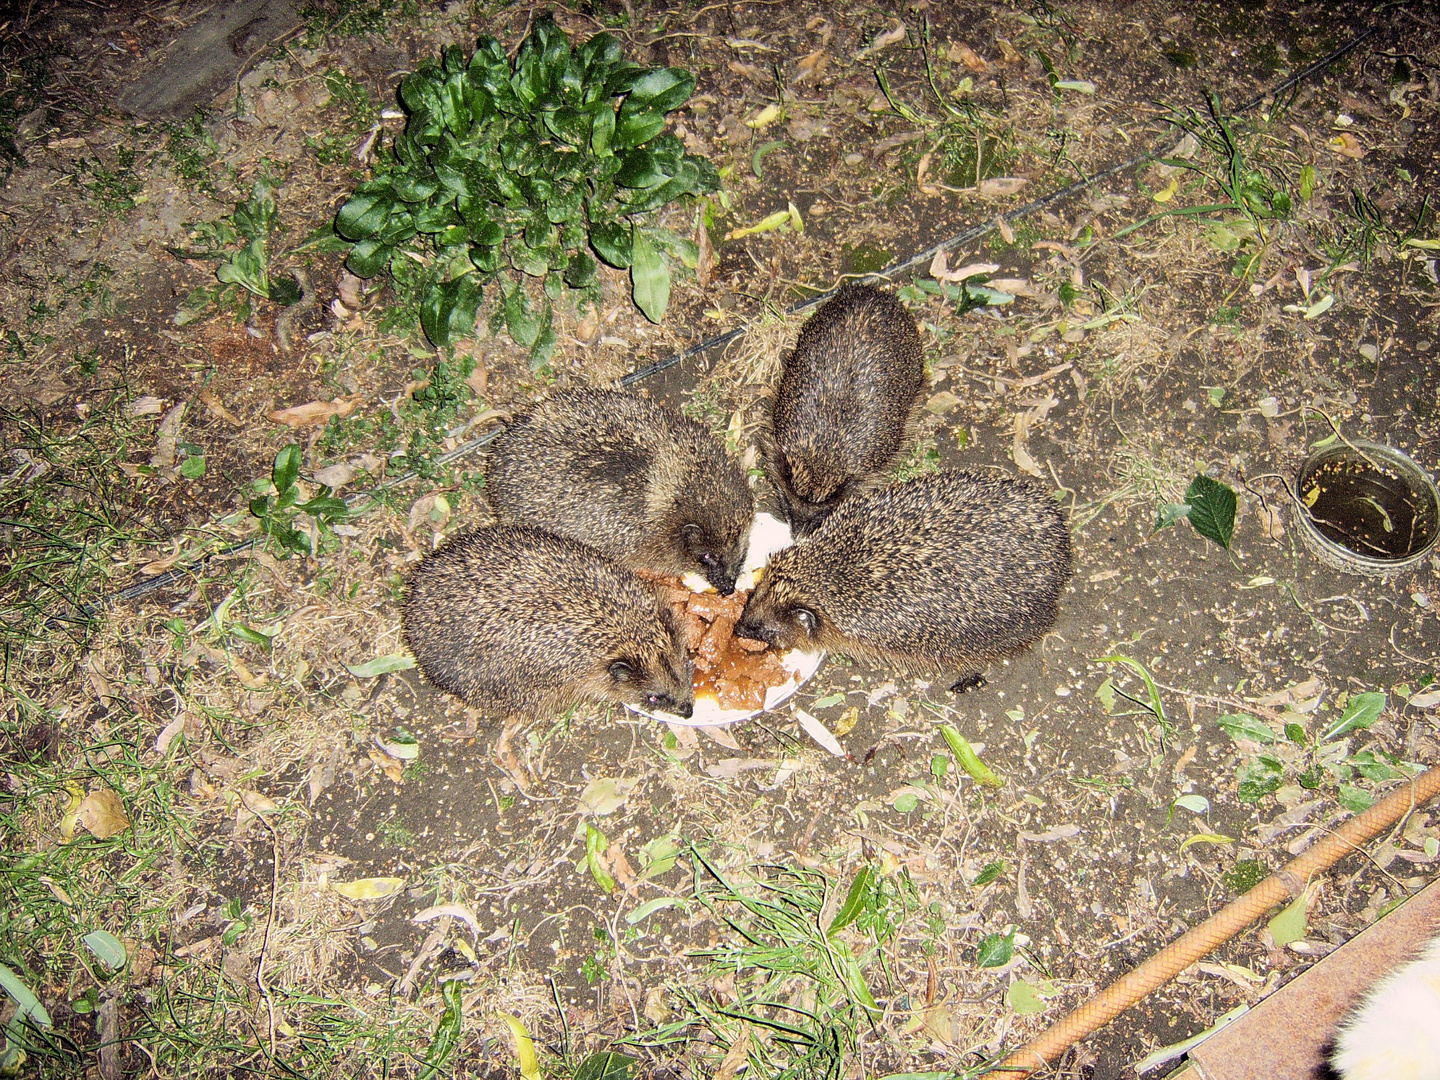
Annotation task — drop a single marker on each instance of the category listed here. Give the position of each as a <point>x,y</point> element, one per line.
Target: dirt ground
<point>587,877</point>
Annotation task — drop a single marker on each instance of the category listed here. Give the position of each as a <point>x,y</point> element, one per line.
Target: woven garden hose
<point>1219,928</point>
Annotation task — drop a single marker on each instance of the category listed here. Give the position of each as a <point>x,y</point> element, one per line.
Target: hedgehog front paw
<point>972,681</point>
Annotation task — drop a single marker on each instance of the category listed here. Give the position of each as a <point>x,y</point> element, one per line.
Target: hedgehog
<point>945,573</point>
<point>641,483</point>
<point>846,403</point>
<point>518,622</point>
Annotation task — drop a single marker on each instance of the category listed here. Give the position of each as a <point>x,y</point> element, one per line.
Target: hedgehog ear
<point>691,530</point>
<point>622,671</point>
<point>806,619</point>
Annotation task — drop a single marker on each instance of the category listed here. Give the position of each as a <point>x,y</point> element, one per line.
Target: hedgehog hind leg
<point>970,680</point>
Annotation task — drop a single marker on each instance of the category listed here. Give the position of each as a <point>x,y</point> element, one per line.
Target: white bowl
<point>767,536</point>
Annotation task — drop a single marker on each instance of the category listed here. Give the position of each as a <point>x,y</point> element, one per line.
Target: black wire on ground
<point>975,232</point>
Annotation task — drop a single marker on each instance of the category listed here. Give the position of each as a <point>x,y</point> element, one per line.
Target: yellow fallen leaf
<point>846,724</point>
<point>524,1048</point>
<point>796,222</point>
<point>1346,145</point>
<point>765,117</point>
<point>767,224</point>
<point>1167,193</point>
<point>102,814</point>
<point>69,820</point>
<point>1207,838</point>
<point>370,888</point>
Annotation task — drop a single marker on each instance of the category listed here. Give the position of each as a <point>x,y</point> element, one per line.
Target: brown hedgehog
<point>846,402</point>
<point>943,573</point>
<point>639,482</point>
<point>520,622</point>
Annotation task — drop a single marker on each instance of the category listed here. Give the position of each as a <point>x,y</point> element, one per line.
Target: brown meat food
<point>736,672</point>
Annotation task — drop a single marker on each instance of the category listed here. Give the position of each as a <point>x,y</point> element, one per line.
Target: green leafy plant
<point>277,504</point>
<point>1317,761</point>
<point>247,268</point>
<point>531,170</point>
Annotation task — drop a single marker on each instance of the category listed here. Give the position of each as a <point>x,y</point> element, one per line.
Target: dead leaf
<point>719,735</point>
<point>620,867</point>
<point>1018,450</point>
<point>454,911</point>
<point>348,288</point>
<point>605,795</point>
<point>392,768</point>
<point>169,437</point>
<point>1060,832</point>
<point>921,170</point>
<point>811,65</point>
<point>1347,145</point>
<point>159,566</point>
<point>218,410</point>
<point>1271,523</point>
<point>705,266</point>
<point>313,413</point>
<point>149,405</point>
<point>735,1056</point>
<point>247,678</point>
<point>102,814</point>
<point>335,476</point>
<point>1009,53</point>
<point>432,510</point>
<point>375,888</point>
<point>942,403</point>
<point>748,71</point>
<point>887,38</point>
<point>168,733</point>
<point>960,53</point>
<point>1000,186</point>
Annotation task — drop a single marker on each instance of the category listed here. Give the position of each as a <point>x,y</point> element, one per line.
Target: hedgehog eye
<point>621,671</point>
<point>806,619</point>
<point>710,562</point>
<point>655,700</point>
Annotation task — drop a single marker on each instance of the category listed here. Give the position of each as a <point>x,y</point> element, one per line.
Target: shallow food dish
<point>767,536</point>
<point>1366,508</point>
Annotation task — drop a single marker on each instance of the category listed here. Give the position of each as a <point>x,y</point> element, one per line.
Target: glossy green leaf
<point>1360,712</point>
<point>1212,509</point>
<point>449,309</point>
<point>595,845</point>
<point>855,900</point>
<point>447,1031</point>
<point>967,758</point>
<point>522,319</point>
<point>995,950</point>
<point>364,214</point>
<point>990,872</point>
<point>368,258</point>
<point>649,277</point>
<point>26,1003</point>
<point>286,469</point>
<point>612,242</point>
<point>1258,777</point>
<point>661,89</point>
<point>107,948</point>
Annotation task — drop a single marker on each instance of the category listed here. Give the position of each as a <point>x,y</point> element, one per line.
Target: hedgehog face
<point>717,558</point>
<point>662,683</point>
<point>778,615</point>
<point>805,513</point>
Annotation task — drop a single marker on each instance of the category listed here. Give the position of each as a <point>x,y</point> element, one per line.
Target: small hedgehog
<point>943,573</point>
<point>846,402</point>
<point>640,482</point>
<point>520,622</point>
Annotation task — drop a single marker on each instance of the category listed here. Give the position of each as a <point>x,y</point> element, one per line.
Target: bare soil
<point>282,777</point>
